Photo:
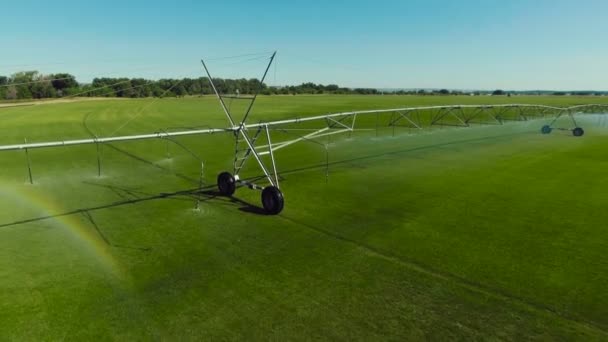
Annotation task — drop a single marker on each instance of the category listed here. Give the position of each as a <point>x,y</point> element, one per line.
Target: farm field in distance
<point>488,232</point>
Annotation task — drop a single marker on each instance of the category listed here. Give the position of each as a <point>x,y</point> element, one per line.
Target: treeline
<point>34,85</point>
<point>497,92</point>
<point>442,92</point>
<point>579,93</point>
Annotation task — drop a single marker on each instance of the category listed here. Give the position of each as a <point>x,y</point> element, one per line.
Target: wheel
<point>546,129</point>
<point>272,200</point>
<point>226,183</point>
<point>578,132</point>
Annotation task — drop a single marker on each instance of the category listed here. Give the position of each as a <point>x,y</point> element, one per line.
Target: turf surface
<point>490,232</point>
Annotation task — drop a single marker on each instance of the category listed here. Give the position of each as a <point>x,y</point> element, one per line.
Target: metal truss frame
<point>241,133</point>
<point>332,120</point>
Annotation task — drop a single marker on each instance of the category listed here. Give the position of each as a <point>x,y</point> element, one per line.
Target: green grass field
<point>483,233</point>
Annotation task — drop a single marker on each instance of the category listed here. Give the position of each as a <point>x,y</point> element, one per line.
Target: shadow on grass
<point>192,195</point>
<point>244,205</point>
<point>150,163</point>
<point>90,218</point>
<point>209,195</point>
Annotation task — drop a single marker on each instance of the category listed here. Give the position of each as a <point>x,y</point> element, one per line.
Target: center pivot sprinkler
<point>576,131</point>
<point>245,148</point>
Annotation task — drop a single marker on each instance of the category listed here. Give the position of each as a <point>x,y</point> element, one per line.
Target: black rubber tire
<point>226,183</point>
<point>546,129</point>
<point>578,132</point>
<point>272,200</point>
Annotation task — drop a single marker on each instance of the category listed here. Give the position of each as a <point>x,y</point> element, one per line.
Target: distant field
<point>489,232</point>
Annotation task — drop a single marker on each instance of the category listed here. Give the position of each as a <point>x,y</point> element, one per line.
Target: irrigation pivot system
<point>272,197</point>
<point>255,140</point>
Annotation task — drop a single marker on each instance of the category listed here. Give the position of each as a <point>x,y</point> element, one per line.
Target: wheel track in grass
<point>370,250</point>
<point>467,284</point>
<point>424,269</point>
<point>458,280</point>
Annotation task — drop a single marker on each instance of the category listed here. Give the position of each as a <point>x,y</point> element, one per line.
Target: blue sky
<point>509,44</point>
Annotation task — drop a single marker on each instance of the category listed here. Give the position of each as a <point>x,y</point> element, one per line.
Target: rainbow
<point>75,224</point>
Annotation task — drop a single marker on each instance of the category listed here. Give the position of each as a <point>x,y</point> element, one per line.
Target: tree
<point>22,82</point>
<point>3,87</point>
<point>444,92</point>
<point>157,91</point>
<point>332,87</point>
<point>63,81</point>
<point>140,88</point>
<point>11,93</point>
<point>180,90</point>
<point>42,88</point>
<point>498,92</point>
